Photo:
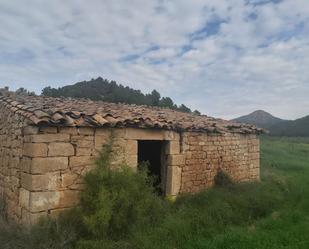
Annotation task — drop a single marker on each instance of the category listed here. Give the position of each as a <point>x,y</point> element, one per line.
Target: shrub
<point>116,201</point>
<point>222,179</point>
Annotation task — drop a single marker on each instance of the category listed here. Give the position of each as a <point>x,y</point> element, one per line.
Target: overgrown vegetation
<point>115,203</point>
<point>222,179</point>
<point>119,210</point>
<point>110,91</point>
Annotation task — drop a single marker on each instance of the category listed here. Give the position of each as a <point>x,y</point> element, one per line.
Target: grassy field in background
<point>271,214</point>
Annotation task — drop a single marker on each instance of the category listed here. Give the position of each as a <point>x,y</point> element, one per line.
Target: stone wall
<point>11,144</point>
<point>56,159</point>
<point>238,155</point>
<point>42,168</point>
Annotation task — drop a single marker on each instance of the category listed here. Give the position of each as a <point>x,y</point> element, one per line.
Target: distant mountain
<point>277,126</point>
<point>260,118</point>
<point>110,91</point>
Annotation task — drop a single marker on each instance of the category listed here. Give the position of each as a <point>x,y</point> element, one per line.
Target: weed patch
<point>222,179</point>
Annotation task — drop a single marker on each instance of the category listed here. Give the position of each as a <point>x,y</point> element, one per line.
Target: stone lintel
<point>150,134</point>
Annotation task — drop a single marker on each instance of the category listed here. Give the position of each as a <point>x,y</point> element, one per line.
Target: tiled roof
<point>48,111</point>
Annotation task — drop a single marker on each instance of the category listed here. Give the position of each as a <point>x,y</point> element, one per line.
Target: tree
<point>48,91</point>
<point>184,108</point>
<point>24,91</point>
<point>155,98</point>
<point>111,91</point>
<point>167,102</point>
<point>196,112</point>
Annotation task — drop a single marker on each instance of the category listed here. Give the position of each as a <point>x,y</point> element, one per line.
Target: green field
<point>271,214</point>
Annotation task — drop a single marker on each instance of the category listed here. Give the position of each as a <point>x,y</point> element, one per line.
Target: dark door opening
<point>152,151</point>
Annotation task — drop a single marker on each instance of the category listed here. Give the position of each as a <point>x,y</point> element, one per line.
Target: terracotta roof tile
<point>40,110</point>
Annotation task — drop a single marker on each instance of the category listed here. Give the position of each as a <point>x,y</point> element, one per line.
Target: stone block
<point>48,181</point>
<point>68,179</point>
<point>35,150</point>
<point>118,132</point>
<point>172,148</point>
<point>24,198</point>
<point>85,143</point>
<point>171,135</point>
<point>29,130</point>
<point>86,131</point>
<point>25,164</point>
<point>144,134</point>
<point>43,201</point>
<point>176,160</point>
<point>60,149</point>
<point>77,161</point>
<point>173,181</point>
<point>99,141</point>
<point>48,129</point>
<point>69,130</point>
<point>84,151</point>
<point>103,132</point>
<point>48,138</point>
<point>131,147</point>
<point>77,130</point>
<point>131,161</point>
<point>48,164</point>
<point>69,198</point>
<point>108,132</point>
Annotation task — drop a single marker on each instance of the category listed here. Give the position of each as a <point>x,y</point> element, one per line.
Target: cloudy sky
<point>223,57</point>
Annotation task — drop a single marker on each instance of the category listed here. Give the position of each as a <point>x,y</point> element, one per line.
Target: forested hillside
<point>110,91</point>
<point>295,128</point>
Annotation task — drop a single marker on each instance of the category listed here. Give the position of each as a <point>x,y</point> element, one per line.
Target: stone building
<point>48,144</point>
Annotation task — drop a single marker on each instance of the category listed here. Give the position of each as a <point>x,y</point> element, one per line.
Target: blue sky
<point>225,58</point>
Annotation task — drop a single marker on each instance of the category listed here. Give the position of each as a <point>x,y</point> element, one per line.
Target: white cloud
<point>258,59</point>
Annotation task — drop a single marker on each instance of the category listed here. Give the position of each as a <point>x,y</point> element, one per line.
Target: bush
<point>222,179</point>
<point>114,204</point>
<point>116,201</point>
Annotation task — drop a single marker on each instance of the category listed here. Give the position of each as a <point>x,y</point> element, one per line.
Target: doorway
<point>153,153</point>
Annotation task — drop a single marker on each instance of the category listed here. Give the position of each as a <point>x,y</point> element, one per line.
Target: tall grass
<point>119,209</point>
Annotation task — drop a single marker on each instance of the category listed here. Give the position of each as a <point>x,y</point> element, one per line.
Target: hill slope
<point>110,91</point>
<point>260,118</point>
<point>298,127</point>
<point>277,126</point>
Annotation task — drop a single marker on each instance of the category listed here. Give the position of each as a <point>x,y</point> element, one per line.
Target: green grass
<point>271,214</point>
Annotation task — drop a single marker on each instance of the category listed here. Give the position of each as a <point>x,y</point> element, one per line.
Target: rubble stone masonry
<point>236,154</point>
<point>42,168</point>
<point>11,160</point>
